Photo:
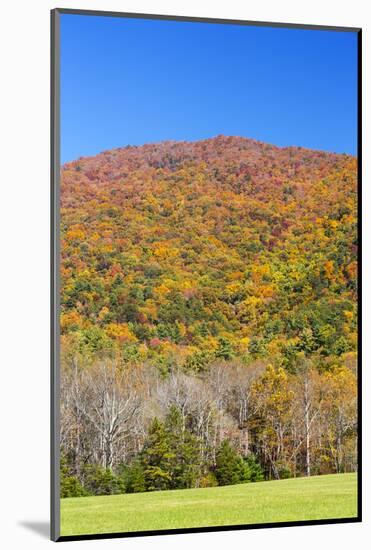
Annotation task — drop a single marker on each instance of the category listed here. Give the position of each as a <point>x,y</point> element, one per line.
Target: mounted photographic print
<point>205,339</point>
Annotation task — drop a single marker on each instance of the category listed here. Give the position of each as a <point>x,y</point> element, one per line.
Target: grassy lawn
<point>320,497</point>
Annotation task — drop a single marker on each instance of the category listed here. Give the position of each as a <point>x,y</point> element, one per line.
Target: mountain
<point>178,253</point>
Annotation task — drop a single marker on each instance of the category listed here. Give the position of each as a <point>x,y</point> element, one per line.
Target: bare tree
<point>113,404</point>
<point>240,403</point>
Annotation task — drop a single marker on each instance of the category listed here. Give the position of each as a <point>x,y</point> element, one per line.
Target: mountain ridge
<point>219,139</point>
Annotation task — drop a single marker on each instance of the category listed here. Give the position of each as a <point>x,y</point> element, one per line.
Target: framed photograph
<point>206,183</point>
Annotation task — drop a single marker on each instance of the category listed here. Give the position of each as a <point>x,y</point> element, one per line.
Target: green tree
<point>257,347</point>
<point>133,477</point>
<point>101,481</point>
<point>70,485</point>
<point>157,457</point>
<point>230,467</point>
<point>198,361</point>
<point>225,349</point>
<point>185,466</point>
<point>255,471</point>
<point>170,457</point>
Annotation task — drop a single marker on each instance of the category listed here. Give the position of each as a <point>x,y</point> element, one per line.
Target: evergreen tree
<point>156,458</point>
<point>254,470</point>
<point>170,457</point>
<point>230,467</point>
<point>70,485</point>
<point>185,446</point>
<point>133,477</point>
<point>225,350</point>
<point>101,481</point>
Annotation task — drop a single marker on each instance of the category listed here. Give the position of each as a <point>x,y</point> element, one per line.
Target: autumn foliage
<point>177,256</point>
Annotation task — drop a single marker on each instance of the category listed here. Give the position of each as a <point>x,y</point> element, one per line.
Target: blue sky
<point>135,81</point>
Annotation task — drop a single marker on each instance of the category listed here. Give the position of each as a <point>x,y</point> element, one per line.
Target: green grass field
<point>320,497</point>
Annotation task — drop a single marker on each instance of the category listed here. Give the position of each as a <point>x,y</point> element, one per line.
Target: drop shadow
<point>41,528</point>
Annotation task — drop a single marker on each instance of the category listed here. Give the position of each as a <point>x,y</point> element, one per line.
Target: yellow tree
<point>339,417</point>
<point>274,397</point>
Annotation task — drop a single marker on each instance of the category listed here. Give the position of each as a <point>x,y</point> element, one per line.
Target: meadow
<point>296,499</point>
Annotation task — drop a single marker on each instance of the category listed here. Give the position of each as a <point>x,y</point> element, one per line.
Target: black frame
<point>55,282</point>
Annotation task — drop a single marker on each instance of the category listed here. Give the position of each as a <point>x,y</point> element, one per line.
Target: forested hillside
<point>209,290</point>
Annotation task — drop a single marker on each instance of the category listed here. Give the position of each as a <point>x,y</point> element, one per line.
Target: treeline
<point>126,428</point>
